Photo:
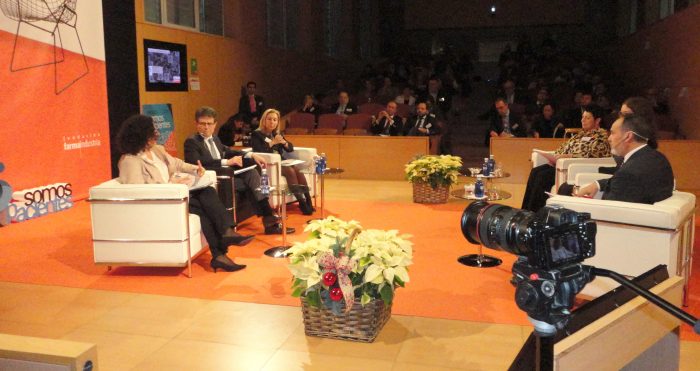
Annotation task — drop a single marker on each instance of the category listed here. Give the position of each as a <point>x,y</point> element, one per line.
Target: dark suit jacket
<point>350,108</point>
<point>197,150</point>
<point>441,105</point>
<point>257,141</point>
<point>244,106</point>
<point>517,127</point>
<point>429,123</point>
<point>394,129</point>
<point>646,178</point>
<point>315,110</point>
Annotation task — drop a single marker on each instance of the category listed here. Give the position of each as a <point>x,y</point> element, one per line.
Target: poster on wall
<point>163,120</point>
<point>54,144</point>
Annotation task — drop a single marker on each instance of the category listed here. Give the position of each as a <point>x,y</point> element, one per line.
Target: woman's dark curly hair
<point>135,133</point>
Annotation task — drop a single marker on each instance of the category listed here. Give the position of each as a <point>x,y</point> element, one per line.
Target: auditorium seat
<point>371,109</point>
<point>358,124</point>
<point>301,123</point>
<point>404,110</point>
<point>330,124</point>
<point>633,237</point>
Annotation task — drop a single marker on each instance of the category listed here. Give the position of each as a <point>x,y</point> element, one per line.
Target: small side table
<point>281,250</point>
<point>480,260</point>
<point>328,170</point>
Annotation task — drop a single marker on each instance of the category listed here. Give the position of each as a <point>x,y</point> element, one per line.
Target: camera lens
<point>497,227</point>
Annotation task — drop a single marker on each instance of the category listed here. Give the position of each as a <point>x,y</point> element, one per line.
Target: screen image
<point>564,247</point>
<point>165,66</point>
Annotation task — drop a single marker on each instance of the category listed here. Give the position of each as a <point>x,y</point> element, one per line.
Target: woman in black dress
<point>267,138</point>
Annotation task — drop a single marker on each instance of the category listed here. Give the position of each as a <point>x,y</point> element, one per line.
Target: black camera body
<point>550,238</point>
<point>550,244</point>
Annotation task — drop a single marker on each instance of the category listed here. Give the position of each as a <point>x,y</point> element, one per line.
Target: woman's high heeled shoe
<point>218,264</point>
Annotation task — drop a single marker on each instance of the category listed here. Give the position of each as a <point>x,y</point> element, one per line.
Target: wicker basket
<point>423,193</point>
<point>360,324</point>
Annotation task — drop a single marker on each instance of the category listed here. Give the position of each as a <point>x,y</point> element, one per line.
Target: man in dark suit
<point>504,123</point>
<point>645,175</point>
<point>344,107</point>
<point>213,155</point>
<point>387,122</point>
<point>438,100</point>
<point>251,105</point>
<point>423,123</point>
<point>572,118</point>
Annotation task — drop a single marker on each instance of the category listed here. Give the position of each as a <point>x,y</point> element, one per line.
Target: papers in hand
<point>192,182</point>
<point>201,182</point>
<point>243,170</point>
<point>549,155</point>
<point>292,162</point>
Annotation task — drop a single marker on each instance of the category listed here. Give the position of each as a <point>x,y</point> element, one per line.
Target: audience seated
<point>310,106</point>
<point>422,124</point>
<point>406,97</point>
<point>267,138</point>
<point>344,107</point>
<point>504,123</point>
<point>439,100</point>
<point>234,130</point>
<point>203,148</point>
<point>386,92</point>
<point>546,123</point>
<point>387,122</point>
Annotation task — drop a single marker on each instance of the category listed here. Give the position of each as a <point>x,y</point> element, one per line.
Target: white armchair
<point>145,225</point>
<point>274,160</point>
<point>563,166</point>
<point>633,238</point>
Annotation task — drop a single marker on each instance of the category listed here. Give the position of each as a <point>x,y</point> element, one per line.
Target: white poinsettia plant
<point>441,170</point>
<point>327,272</point>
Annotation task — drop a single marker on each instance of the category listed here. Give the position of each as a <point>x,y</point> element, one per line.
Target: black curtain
<point>122,68</point>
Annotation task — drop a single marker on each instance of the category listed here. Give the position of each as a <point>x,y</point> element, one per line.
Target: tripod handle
<point>655,299</point>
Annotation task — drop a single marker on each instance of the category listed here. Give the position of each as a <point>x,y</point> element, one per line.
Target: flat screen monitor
<point>165,66</point>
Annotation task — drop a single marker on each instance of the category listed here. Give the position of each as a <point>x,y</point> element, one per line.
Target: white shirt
<point>630,153</point>
<point>224,162</point>
<point>158,163</point>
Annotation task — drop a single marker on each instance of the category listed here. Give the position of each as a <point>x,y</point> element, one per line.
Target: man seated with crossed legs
<point>208,149</point>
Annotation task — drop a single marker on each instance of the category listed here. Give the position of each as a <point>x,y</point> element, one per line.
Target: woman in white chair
<point>268,139</point>
<point>590,142</point>
<point>145,162</point>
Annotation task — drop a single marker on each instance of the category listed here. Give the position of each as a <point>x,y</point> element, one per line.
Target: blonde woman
<point>267,138</point>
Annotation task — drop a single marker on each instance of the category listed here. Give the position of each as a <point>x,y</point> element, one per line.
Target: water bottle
<point>264,183</point>
<point>320,164</point>
<point>485,167</point>
<point>492,165</point>
<point>323,162</point>
<point>479,187</point>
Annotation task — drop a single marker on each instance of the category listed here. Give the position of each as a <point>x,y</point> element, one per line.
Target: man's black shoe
<point>277,229</point>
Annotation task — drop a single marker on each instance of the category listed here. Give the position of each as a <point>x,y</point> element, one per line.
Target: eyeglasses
<point>206,123</point>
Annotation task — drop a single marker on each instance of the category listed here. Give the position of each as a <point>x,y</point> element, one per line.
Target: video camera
<point>550,245</point>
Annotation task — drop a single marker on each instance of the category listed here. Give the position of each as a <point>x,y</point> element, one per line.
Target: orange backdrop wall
<point>46,137</point>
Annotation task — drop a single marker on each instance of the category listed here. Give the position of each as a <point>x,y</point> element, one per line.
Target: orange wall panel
<point>670,48</point>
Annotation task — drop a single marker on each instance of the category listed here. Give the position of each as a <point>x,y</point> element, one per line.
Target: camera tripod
<point>545,334</point>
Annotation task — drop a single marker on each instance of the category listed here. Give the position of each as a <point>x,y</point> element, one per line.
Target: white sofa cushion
<point>666,214</point>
